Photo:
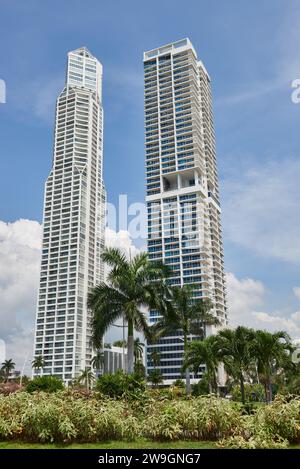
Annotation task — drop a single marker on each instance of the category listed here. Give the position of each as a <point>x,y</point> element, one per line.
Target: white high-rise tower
<point>73,228</point>
<point>184,228</point>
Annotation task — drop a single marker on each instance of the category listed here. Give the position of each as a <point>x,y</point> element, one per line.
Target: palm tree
<point>133,286</point>
<point>38,363</point>
<point>7,367</point>
<point>120,343</point>
<point>191,316</point>
<point>138,349</point>
<point>155,358</point>
<point>98,360</point>
<point>204,352</point>
<point>139,369</point>
<point>155,377</point>
<point>234,347</point>
<point>271,353</point>
<point>86,377</point>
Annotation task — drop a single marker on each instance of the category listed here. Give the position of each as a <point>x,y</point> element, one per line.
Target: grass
<point>138,444</point>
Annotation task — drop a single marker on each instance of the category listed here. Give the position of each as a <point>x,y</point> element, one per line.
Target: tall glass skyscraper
<point>73,227</point>
<point>184,228</point>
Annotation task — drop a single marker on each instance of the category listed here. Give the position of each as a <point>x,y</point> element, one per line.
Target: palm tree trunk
<point>266,391</point>
<point>187,371</point>
<point>188,381</point>
<point>212,382</point>
<point>130,348</point>
<point>242,389</point>
<point>270,392</point>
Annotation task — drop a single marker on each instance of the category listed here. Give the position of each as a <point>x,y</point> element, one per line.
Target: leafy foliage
<point>68,415</point>
<point>7,367</point>
<point>253,393</point>
<point>202,387</point>
<point>120,383</point>
<point>139,370</point>
<point>201,418</point>
<point>155,377</point>
<point>204,352</point>
<point>132,285</point>
<point>38,363</point>
<point>45,383</point>
<point>64,417</point>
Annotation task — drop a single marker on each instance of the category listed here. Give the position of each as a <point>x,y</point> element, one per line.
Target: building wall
<point>184,228</point>
<point>73,226</point>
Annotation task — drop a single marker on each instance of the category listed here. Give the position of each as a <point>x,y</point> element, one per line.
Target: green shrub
<point>257,442</point>
<point>45,383</point>
<point>282,418</point>
<point>176,392</point>
<point>70,415</point>
<point>64,417</point>
<point>179,383</point>
<point>201,388</point>
<point>139,370</point>
<point>271,426</point>
<point>200,418</point>
<point>253,393</point>
<point>119,384</point>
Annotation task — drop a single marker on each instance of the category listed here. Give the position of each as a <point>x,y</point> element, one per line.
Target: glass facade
<point>73,226</point>
<point>184,227</point>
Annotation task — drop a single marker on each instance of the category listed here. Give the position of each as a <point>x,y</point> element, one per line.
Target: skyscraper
<point>184,228</point>
<point>73,227</point>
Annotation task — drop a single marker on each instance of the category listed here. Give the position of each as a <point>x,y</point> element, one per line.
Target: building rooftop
<point>173,46</point>
<point>82,51</point>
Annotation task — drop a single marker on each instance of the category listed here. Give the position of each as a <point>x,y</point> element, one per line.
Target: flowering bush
<point>200,418</point>
<point>272,426</point>
<point>9,388</point>
<point>257,442</point>
<point>63,417</point>
<point>69,415</point>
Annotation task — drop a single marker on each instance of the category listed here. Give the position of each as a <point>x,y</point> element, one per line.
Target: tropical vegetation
<point>68,416</point>
<point>38,363</point>
<point>133,285</point>
<point>7,367</point>
<point>185,313</point>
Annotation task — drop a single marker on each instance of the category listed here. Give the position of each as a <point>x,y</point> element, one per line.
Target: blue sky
<point>251,50</point>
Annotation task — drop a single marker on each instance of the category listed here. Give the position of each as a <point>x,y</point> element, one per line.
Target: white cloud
<point>19,270</point>
<point>38,97</point>
<point>19,273</point>
<point>45,98</point>
<point>261,209</point>
<point>20,247</point>
<point>121,239</point>
<point>296,291</point>
<point>243,296</point>
<point>245,300</point>
<point>275,322</point>
<point>21,232</point>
